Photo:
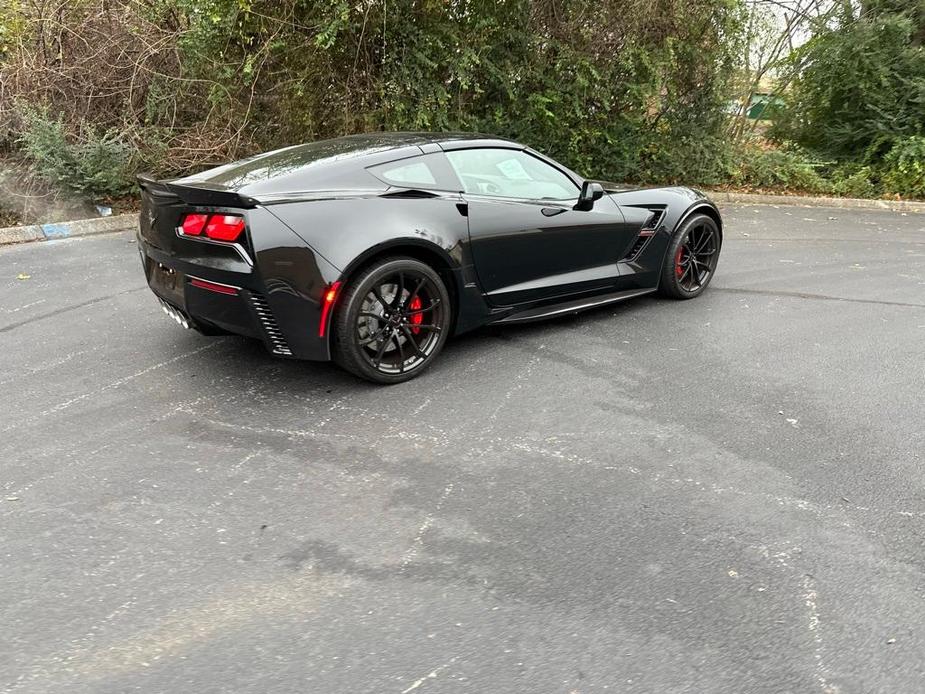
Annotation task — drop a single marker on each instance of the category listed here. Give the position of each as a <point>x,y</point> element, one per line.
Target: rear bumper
<point>209,298</point>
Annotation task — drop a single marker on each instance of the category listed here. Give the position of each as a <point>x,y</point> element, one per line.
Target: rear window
<point>413,173</point>
<point>426,171</point>
<point>284,162</point>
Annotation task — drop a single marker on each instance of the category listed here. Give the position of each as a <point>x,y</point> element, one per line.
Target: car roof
<point>336,163</point>
<point>420,138</point>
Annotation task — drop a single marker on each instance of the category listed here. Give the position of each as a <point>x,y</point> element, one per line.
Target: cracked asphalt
<point>719,495</point>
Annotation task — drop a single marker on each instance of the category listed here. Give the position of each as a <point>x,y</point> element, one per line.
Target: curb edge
<point>61,230</point>
<point>809,201</point>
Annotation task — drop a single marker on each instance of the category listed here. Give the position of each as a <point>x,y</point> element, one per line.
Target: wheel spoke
<point>432,328</point>
<point>702,240</point>
<point>417,350</point>
<point>374,338</point>
<point>378,359</point>
<point>690,239</point>
<point>695,274</point>
<point>704,270</point>
<point>367,314</point>
<point>416,290</point>
<point>377,292</point>
<point>401,357</point>
<point>708,241</point>
<point>399,290</point>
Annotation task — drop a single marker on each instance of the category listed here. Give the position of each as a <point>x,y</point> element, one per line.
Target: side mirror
<point>590,191</point>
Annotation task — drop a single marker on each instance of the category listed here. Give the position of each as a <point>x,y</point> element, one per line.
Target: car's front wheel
<point>691,258</point>
<point>392,320</point>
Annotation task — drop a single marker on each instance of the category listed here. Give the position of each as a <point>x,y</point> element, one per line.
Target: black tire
<point>391,320</point>
<point>690,262</point>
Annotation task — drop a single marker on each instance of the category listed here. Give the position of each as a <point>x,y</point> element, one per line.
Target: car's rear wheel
<point>691,258</point>
<point>392,320</point>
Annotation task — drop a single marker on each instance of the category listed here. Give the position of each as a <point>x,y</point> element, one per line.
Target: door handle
<point>552,211</point>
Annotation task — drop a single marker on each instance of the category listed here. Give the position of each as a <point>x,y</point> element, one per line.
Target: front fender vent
<point>647,231</point>
<point>274,336</point>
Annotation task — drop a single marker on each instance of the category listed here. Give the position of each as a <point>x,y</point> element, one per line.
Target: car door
<point>528,242</point>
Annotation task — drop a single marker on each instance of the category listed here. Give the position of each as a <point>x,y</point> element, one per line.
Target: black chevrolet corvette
<point>373,249</point>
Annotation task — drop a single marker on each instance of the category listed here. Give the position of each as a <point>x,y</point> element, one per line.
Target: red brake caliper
<point>417,318</point>
<point>678,270</point>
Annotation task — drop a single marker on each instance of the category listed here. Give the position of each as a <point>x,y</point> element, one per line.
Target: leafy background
<point>93,91</point>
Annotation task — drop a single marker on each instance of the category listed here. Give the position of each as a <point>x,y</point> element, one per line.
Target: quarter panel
<point>294,280</point>
<point>345,230</point>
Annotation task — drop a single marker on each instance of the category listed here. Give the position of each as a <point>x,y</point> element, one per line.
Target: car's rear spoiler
<point>195,195</point>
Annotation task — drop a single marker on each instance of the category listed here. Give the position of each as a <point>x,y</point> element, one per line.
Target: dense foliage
<point>623,90</point>
<point>92,91</point>
<point>860,93</point>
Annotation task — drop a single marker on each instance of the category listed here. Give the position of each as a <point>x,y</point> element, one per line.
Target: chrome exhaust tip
<point>178,317</point>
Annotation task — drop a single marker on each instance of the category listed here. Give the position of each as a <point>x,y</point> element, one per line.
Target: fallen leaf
<point>23,276</point>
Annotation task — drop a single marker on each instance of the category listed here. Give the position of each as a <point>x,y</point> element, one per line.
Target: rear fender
<point>294,279</point>
<point>348,233</point>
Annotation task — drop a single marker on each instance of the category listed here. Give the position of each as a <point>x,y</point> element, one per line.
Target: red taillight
<point>193,223</point>
<point>327,303</point>
<point>218,227</point>
<point>224,227</point>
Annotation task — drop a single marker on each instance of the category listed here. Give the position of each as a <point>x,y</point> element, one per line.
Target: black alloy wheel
<point>392,320</point>
<point>690,262</point>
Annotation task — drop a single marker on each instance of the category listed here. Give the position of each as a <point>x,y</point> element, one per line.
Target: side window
<point>510,173</point>
<point>426,171</point>
<point>411,174</point>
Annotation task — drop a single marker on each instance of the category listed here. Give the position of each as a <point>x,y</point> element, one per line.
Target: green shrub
<point>904,168</point>
<point>855,181</point>
<point>11,27</point>
<point>757,168</point>
<point>94,165</point>
<point>627,91</point>
<point>860,80</point>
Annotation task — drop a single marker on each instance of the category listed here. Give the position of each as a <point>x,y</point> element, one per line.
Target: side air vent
<point>647,232</point>
<point>270,327</point>
<point>654,221</point>
<point>641,242</point>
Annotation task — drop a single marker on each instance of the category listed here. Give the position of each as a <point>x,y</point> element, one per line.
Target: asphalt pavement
<point>720,495</point>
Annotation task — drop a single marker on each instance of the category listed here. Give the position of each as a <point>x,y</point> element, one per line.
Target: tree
<point>861,88</point>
